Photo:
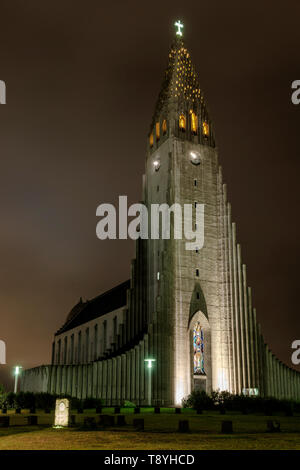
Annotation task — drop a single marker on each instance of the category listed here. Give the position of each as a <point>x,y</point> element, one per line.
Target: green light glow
<point>149,362</point>
<point>179,26</point>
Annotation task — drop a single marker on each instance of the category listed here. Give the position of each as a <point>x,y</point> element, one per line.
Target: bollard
<point>137,410</point>
<point>226,427</point>
<point>138,424</point>
<point>32,420</point>
<point>107,420</point>
<point>89,422</point>
<point>117,410</point>
<point>73,420</point>
<point>183,426</point>
<point>273,426</point>
<point>157,410</point>
<point>177,411</point>
<point>4,421</point>
<point>121,420</point>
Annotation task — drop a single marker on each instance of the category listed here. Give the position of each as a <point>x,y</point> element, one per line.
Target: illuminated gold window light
<point>182,122</point>
<point>164,127</point>
<point>151,139</point>
<point>205,129</point>
<point>157,130</point>
<point>194,122</point>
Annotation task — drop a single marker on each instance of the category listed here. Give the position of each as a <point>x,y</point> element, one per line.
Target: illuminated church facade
<point>189,310</point>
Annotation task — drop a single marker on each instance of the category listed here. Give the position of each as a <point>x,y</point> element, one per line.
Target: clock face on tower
<point>195,158</point>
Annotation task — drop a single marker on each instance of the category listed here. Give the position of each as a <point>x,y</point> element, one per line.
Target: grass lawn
<point>160,433</point>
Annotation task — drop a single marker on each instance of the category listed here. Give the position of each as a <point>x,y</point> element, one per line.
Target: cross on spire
<point>179,26</point>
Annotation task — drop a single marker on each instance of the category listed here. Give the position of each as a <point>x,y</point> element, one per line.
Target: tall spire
<point>180,91</point>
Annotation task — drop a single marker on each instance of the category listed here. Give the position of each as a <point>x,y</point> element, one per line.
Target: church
<point>184,320</point>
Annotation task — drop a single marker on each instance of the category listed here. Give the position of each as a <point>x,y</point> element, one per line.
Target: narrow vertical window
<point>104,336</point>
<point>182,122</point>
<point>79,348</point>
<point>198,340</point>
<point>197,272</point>
<point>87,344</point>
<point>157,130</point>
<point>205,129</point>
<point>65,349</point>
<point>115,326</point>
<point>72,350</point>
<point>195,182</point>
<point>59,352</point>
<point>164,127</point>
<point>96,342</point>
<point>151,140</point>
<point>194,123</point>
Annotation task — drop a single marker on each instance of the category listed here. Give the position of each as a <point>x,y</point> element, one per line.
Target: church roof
<point>180,87</point>
<point>84,312</point>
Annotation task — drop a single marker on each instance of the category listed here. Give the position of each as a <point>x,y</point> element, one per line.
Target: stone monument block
<point>62,412</point>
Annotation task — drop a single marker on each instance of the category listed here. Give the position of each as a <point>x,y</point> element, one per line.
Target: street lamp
<point>149,367</point>
<point>17,373</point>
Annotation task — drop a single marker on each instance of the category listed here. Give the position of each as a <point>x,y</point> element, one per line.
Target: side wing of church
<point>189,310</point>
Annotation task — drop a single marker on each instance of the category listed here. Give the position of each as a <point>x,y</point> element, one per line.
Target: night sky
<point>82,80</point>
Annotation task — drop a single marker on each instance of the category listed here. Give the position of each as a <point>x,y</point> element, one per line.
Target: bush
<point>20,400</point>
<point>198,400</point>
<point>29,400</point>
<point>129,404</point>
<point>241,403</point>
<point>3,400</point>
<point>75,403</point>
<point>91,403</point>
<point>45,400</point>
<point>11,400</point>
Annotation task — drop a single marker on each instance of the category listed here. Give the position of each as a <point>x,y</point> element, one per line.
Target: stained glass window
<point>198,337</point>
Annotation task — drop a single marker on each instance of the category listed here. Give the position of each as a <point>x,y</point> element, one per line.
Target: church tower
<point>186,291</point>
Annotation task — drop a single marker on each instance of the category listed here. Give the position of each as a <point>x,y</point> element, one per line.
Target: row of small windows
<point>157,131</point>
<point>85,350</point>
<point>182,127</point>
<point>194,124</point>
